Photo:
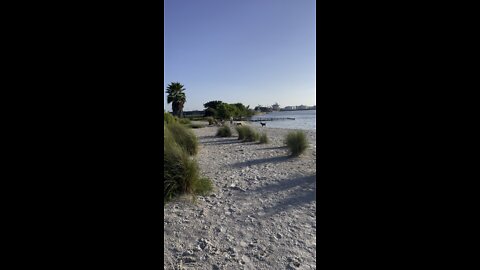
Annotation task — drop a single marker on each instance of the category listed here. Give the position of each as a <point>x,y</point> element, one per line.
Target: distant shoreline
<point>286,110</point>
<point>283,110</point>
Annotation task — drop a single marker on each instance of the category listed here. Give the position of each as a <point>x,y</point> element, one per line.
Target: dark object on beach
<point>263,124</point>
<point>238,124</point>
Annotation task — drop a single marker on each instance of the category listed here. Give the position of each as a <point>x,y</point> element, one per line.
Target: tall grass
<point>168,118</point>
<point>184,137</point>
<point>250,135</point>
<point>224,131</point>
<point>181,174</point>
<point>179,170</point>
<point>263,138</point>
<point>210,120</point>
<point>184,121</point>
<point>247,134</point>
<point>241,130</point>
<point>296,142</point>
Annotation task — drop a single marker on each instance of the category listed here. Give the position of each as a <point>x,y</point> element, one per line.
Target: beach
<point>261,215</point>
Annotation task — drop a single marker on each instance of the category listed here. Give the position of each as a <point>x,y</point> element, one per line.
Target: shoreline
<point>259,128</point>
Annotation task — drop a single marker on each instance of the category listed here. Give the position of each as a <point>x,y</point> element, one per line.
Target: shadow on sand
<point>206,137</point>
<point>305,194</point>
<point>227,141</point>
<point>274,148</point>
<point>261,161</point>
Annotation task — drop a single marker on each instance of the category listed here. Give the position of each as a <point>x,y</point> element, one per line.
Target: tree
<point>225,111</point>
<point>177,97</point>
<point>212,104</point>
<point>211,107</point>
<point>210,112</point>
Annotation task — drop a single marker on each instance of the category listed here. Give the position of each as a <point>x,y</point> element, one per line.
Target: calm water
<point>303,120</point>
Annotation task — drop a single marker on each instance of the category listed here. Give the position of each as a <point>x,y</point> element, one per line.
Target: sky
<point>256,52</point>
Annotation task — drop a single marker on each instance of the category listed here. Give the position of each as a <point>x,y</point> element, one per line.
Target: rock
<point>232,251</point>
<point>189,259</point>
<point>245,259</point>
<point>187,253</point>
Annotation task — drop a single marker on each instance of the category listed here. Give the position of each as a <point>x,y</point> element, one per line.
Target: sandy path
<point>262,212</point>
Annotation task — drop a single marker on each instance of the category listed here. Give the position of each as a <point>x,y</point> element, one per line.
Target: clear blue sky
<point>249,51</point>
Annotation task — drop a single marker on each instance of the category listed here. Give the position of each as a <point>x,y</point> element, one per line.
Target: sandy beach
<point>261,214</point>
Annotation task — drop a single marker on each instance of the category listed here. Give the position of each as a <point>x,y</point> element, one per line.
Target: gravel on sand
<point>261,215</point>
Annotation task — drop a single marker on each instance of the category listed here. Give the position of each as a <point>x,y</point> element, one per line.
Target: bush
<point>184,137</point>
<point>168,118</point>
<point>180,171</point>
<point>224,131</point>
<point>184,121</point>
<point>210,120</point>
<point>296,141</point>
<point>250,135</point>
<point>202,186</point>
<point>247,134</point>
<point>241,130</point>
<point>263,138</point>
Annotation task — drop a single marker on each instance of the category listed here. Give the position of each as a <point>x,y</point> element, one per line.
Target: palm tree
<point>176,96</point>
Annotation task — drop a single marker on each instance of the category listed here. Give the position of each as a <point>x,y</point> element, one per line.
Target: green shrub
<point>250,135</point>
<point>247,134</point>
<point>296,142</point>
<point>184,121</point>
<point>263,138</point>
<point>241,130</point>
<point>180,171</point>
<point>184,137</point>
<point>210,120</point>
<point>224,131</point>
<point>202,186</point>
<point>168,118</point>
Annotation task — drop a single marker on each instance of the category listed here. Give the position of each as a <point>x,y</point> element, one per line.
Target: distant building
<point>290,108</point>
<point>276,107</point>
<point>302,107</point>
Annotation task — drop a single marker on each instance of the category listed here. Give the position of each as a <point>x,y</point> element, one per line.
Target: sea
<point>306,120</point>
